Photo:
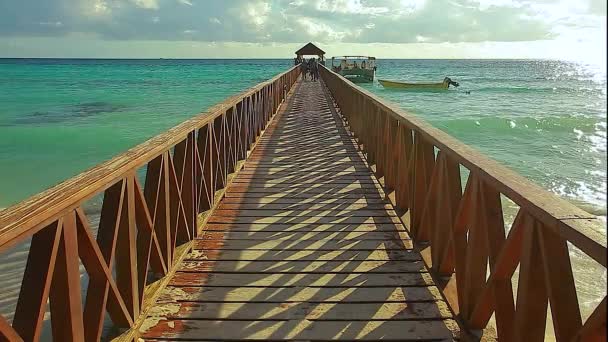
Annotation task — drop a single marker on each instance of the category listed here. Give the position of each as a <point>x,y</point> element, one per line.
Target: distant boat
<point>406,85</point>
<point>362,72</point>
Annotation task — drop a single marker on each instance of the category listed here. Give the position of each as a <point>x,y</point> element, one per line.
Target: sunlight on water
<point>544,119</point>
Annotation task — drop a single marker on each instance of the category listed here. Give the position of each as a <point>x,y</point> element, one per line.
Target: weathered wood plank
<point>255,187</point>
<point>355,189</point>
<point>290,235</point>
<point>300,330</point>
<point>304,255</point>
<point>301,279</point>
<point>305,213</point>
<point>251,173</point>
<point>310,311</point>
<point>173,294</point>
<point>306,207</point>
<point>317,245</point>
<point>291,266</point>
<point>346,194</point>
<point>304,227</point>
<point>253,176</point>
<point>282,170</point>
<point>305,201</point>
<point>306,220</point>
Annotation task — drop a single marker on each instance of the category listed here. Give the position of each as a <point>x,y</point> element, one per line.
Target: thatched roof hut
<point>311,49</point>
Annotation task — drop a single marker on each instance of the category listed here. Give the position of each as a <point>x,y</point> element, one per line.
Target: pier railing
<point>462,235</point>
<point>145,226</point>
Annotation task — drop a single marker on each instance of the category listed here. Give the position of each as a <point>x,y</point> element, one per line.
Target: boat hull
<point>358,75</point>
<point>404,85</point>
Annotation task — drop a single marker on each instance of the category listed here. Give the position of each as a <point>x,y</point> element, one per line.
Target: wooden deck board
<point>300,245</point>
<point>304,255</point>
<point>290,235</point>
<point>303,310</point>
<point>274,330</point>
<point>304,246</point>
<point>301,294</point>
<point>325,267</point>
<point>304,227</point>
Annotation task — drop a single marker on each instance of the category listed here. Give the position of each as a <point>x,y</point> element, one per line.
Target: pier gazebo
<point>311,49</point>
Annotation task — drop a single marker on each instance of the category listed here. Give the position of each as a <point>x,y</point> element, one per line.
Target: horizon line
<point>280,58</point>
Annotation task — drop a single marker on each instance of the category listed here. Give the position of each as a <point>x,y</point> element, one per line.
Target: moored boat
<point>417,85</point>
<point>362,71</point>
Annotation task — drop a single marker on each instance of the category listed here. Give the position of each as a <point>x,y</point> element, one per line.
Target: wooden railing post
<point>403,173</point>
<point>207,184</point>
<point>126,251</point>
<point>64,298</point>
<point>380,150</point>
<point>421,164</point>
<point>37,281</point>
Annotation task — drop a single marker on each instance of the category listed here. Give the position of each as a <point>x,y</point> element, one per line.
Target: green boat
<point>358,69</point>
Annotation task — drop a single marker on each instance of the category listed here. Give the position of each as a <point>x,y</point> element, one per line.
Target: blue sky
<point>574,29</point>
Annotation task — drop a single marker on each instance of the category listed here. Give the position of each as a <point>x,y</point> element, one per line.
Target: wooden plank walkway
<point>303,247</point>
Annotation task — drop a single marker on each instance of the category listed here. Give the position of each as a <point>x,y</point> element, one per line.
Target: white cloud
<point>147,4</point>
<point>100,7</point>
<point>349,6</point>
<point>185,2</point>
<point>488,4</point>
<point>412,5</point>
<point>52,23</point>
<point>255,13</point>
<point>324,21</point>
<point>320,30</point>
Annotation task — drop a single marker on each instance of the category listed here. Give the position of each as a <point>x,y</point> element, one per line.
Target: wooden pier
<point>307,211</point>
<point>303,246</point>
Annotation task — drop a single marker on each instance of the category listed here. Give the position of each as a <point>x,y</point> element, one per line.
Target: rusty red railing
<point>144,229</point>
<point>462,235</point>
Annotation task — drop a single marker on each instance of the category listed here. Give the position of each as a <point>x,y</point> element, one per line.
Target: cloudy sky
<point>566,29</point>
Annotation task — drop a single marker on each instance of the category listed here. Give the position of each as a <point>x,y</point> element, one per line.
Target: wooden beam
<point>65,301</point>
<point>36,283</point>
<point>7,333</point>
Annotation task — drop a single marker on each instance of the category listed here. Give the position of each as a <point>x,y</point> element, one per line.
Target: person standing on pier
<point>304,68</point>
<point>315,70</point>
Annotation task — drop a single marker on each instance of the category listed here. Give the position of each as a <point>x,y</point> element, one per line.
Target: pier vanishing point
<point>305,211</point>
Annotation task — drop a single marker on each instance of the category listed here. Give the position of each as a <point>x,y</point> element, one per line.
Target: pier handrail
<point>461,234</point>
<point>144,229</point>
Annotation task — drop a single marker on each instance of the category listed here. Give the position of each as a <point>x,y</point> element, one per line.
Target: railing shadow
<point>304,246</point>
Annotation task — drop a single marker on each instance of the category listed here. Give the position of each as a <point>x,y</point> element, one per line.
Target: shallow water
<point>544,119</point>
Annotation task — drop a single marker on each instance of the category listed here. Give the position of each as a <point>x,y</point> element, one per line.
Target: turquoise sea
<point>544,119</point>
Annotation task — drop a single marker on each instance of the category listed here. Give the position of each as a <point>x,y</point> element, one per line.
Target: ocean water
<point>544,119</point>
